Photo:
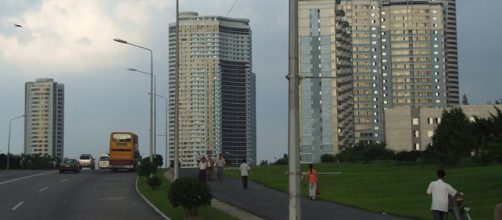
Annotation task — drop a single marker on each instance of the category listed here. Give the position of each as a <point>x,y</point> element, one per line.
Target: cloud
<point>72,36</point>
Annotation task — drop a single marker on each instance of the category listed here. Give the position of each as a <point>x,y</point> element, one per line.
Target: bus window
<point>121,137</point>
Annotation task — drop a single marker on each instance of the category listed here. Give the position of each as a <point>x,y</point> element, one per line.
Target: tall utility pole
<point>177,95</point>
<point>8,144</point>
<point>294,115</point>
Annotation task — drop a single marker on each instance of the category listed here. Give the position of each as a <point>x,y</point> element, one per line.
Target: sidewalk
<point>273,205</point>
<point>231,210</point>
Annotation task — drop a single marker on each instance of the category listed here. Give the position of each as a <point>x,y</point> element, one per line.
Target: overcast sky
<point>71,42</point>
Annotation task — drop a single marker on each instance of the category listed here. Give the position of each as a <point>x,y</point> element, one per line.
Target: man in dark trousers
<point>244,173</point>
<point>440,191</point>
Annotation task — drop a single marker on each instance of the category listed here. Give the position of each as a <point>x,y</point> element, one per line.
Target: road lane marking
<point>25,177</point>
<point>43,189</point>
<point>17,206</point>
<point>64,180</point>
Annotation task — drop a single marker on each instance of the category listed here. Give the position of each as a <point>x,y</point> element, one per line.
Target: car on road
<point>104,162</point>
<point>86,160</point>
<point>69,165</point>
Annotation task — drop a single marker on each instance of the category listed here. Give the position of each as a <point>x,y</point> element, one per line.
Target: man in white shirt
<point>220,166</point>
<point>440,191</point>
<point>244,173</point>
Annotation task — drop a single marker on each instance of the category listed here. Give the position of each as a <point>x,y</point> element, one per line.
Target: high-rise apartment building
<point>364,19</point>
<point>216,89</point>
<point>44,121</point>
<point>415,68</point>
<point>404,54</point>
<point>325,53</point>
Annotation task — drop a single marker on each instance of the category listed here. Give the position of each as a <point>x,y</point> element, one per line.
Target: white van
<point>104,162</point>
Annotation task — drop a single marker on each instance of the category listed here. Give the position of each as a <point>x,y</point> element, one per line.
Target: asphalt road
<point>92,194</point>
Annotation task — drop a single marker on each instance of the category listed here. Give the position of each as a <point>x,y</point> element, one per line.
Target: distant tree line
<point>29,161</point>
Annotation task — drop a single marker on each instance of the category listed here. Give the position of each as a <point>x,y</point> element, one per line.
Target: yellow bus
<point>124,152</point>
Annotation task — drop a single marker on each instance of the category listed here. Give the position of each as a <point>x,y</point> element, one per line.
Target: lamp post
<point>154,108</point>
<point>294,115</point>
<point>167,128</point>
<point>152,129</point>
<point>8,144</point>
<point>177,95</point>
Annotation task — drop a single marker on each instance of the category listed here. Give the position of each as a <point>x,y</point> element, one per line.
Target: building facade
<point>364,18</point>
<point>409,128</point>
<point>419,64</point>
<point>326,106</point>
<point>44,121</point>
<point>217,107</point>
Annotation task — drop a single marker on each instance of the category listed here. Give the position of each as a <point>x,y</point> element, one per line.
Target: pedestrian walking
<point>312,180</point>
<point>220,166</point>
<point>203,169</point>
<point>440,191</point>
<point>244,173</point>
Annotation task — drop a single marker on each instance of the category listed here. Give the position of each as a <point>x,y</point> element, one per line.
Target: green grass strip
<point>383,186</point>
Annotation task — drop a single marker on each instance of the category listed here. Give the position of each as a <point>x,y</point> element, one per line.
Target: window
<point>415,121</point>
<point>416,134</point>
<point>430,133</point>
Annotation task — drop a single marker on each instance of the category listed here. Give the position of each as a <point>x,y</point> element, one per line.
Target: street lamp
<point>8,144</point>
<point>151,94</point>
<point>154,107</point>
<point>167,128</point>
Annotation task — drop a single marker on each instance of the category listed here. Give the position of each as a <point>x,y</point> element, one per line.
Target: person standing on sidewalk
<point>244,173</point>
<point>312,180</point>
<point>220,166</point>
<point>440,191</point>
<point>203,169</point>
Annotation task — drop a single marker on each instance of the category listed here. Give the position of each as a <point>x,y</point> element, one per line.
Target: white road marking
<point>64,180</point>
<point>25,177</point>
<point>17,206</point>
<point>43,189</point>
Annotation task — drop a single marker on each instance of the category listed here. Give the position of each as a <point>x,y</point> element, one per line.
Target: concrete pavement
<point>272,204</point>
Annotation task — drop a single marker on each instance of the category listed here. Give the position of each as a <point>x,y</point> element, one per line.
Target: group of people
<point>207,168</point>
<point>439,189</point>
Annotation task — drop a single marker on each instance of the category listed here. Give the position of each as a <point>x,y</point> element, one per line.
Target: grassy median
<point>383,186</point>
<point>159,198</point>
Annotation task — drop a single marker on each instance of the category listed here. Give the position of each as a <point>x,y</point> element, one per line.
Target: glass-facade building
<point>44,120</point>
<point>217,104</point>
<point>325,53</point>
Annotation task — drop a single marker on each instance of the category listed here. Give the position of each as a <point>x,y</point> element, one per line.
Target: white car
<point>86,160</point>
<point>104,162</point>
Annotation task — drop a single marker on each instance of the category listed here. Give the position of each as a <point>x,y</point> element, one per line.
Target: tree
<point>282,161</point>
<point>464,100</point>
<point>189,193</point>
<point>453,137</point>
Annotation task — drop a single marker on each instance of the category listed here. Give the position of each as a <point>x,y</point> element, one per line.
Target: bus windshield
<point>122,137</point>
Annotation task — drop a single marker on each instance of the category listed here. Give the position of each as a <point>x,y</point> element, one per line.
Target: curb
<point>148,202</point>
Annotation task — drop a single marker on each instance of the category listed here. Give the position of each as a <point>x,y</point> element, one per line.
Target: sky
<point>71,42</point>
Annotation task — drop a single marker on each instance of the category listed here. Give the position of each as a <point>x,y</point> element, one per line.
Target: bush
<point>282,161</point>
<point>154,182</point>
<point>146,167</point>
<point>407,157</point>
<point>190,194</point>
<point>483,158</point>
<point>365,153</point>
<point>327,158</point>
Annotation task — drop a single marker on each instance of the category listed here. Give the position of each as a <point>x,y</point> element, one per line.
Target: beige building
<point>408,128</point>
<point>364,18</point>
<point>325,53</point>
<point>44,121</point>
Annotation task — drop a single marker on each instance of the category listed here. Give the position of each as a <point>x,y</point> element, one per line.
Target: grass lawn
<point>383,186</point>
<point>159,198</point>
